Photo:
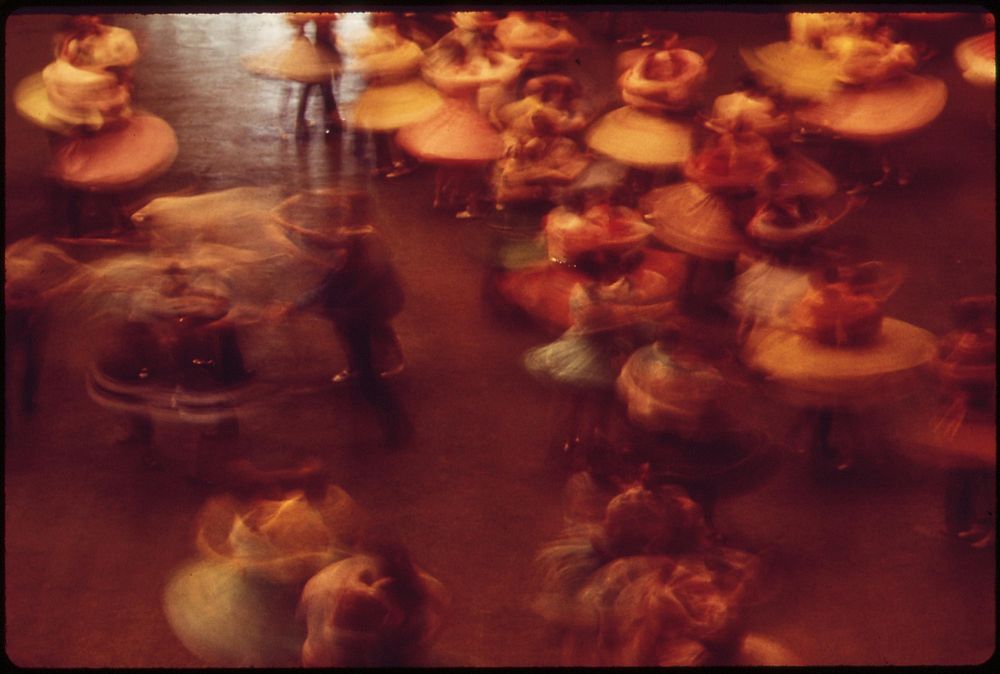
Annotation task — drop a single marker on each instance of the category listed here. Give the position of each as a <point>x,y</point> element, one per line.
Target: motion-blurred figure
<point>175,356</point>
<point>311,63</point>
<point>234,604</point>
<point>101,145</point>
<point>373,609</point>
<point>676,401</point>
<point>966,366</point>
<point>298,577</point>
<point>324,44</point>
<point>838,357</point>
<point>361,294</point>
<point>36,273</point>
<point>88,86</point>
<point>611,319</point>
<point>640,579</point>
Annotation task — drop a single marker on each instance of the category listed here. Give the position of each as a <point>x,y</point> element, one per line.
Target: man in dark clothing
<point>361,294</point>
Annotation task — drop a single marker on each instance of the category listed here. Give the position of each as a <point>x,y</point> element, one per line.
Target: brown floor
<point>858,572</point>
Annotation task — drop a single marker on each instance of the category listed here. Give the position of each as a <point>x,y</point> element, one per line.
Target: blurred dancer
<point>234,605</point>
<point>176,356</point>
<point>611,319</point>
<point>360,295</point>
<point>36,274</point>
<point>641,579</point>
<point>966,367</point>
<point>311,63</point>
<point>374,609</point>
<point>292,578</point>
<point>324,43</point>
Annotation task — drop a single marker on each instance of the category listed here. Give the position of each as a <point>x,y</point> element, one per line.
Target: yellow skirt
<point>640,139</point>
<point>814,374</point>
<point>881,113</point>
<point>393,106</point>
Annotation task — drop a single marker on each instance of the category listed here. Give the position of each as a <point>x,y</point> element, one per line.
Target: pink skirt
<point>143,148</point>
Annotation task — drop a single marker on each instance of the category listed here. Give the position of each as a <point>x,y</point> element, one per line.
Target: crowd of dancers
<point>675,249</point>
